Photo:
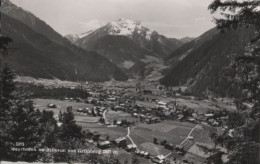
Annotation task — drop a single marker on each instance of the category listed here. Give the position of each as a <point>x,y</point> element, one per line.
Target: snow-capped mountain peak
<point>82,35</point>
<point>74,37</point>
<point>127,28</point>
<point>122,26</point>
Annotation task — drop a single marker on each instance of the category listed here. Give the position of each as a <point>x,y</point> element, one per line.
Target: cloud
<point>92,24</point>
<point>177,30</point>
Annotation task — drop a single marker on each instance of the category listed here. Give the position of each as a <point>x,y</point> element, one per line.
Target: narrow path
<point>189,134</point>
<point>104,114</point>
<point>128,135</point>
<point>168,154</point>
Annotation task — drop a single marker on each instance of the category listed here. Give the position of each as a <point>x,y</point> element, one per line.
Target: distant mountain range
<point>186,39</point>
<point>127,49</point>
<point>40,52</point>
<point>127,44</point>
<point>202,62</point>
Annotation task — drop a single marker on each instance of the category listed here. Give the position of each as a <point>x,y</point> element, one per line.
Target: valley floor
<point>141,133</point>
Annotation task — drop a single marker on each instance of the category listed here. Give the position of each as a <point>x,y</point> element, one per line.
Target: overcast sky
<point>173,18</point>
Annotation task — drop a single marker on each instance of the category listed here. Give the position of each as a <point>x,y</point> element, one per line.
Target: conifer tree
<point>241,138</point>
<point>19,121</point>
<point>69,128</point>
<point>60,116</point>
<point>69,137</point>
<point>6,102</point>
<point>135,160</point>
<point>48,129</point>
<point>7,89</point>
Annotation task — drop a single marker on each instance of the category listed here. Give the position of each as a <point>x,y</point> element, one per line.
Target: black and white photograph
<point>130,81</point>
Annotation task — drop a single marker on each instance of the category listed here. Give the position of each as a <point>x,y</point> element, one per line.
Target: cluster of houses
<point>119,100</point>
<point>95,111</point>
<point>212,118</point>
<point>171,111</point>
<point>122,142</point>
<point>162,111</point>
<point>159,159</point>
<point>103,142</point>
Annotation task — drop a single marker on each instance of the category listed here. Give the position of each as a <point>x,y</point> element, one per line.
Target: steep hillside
<point>31,21</point>
<point>183,51</point>
<point>33,54</point>
<point>36,24</point>
<point>120,50</point>
<point>205,60</point>
<point>155,42</point>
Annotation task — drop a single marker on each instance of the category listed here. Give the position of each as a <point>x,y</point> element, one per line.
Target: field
<point>61,105</point>
<point>41,104</point>
<point>171,131</point>
<point>162,127</point>
<point>153,149</point>
<point>85,119</point>
<point>195,159</point>
<point>202,134</point>
<point>112,132</point>
<point>119,115</point>
<point>126,158</point>
<point>204,105</point>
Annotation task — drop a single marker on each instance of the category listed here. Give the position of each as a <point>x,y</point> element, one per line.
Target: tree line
<point>40,91</point>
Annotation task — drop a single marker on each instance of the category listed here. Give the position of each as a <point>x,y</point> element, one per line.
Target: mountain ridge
<point>206,60</point>
<point>75,63</point>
